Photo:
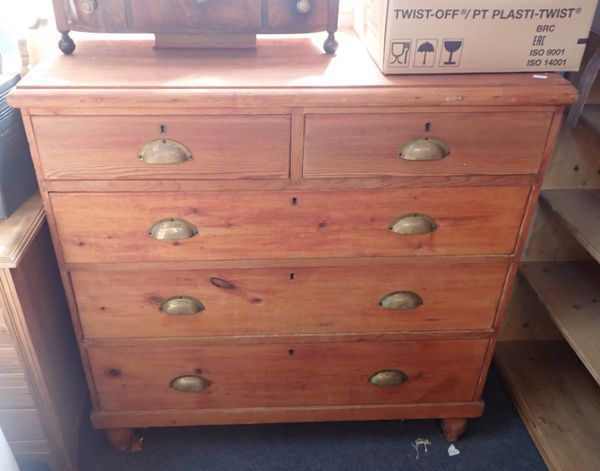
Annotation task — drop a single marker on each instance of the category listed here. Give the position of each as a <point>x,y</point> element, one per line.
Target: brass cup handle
<point>303,6</point>
<point>181,306</point>
<point>424,149</point>
<point>172,229</point>
<point>89,6</point>
<point>190,383</point>
<point>401,301</point>
<point>413,224</point>
<point>388,378</point>
<point>164,152</point>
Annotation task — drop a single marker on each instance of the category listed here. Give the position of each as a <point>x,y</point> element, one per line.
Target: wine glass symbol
<point>399,51</point>
<point>452,46</point>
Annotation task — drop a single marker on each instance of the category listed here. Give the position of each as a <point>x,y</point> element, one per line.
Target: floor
<point>497,441</point>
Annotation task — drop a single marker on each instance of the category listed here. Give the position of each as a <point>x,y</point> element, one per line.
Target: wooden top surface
<point>281,67</point>
<point>19,229</point>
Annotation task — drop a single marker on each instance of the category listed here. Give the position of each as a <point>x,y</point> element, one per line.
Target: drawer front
<point>178,15</point>
<point>117,227</point>
<point>97,15</point>
<point>428,295</point>
<point>368,145</point>
<point>134,148</point>
<point>140,378</point>
<point>295,16</point>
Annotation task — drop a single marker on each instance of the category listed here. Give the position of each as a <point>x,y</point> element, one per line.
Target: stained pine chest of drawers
<point>280,235</point>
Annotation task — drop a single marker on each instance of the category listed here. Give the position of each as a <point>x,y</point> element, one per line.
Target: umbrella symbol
<point>426,48</point>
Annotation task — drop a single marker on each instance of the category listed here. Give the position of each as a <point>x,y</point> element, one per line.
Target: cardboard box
<point>459,36</point>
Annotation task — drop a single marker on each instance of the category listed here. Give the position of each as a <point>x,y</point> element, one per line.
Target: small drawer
<point>167,147</point>
<point>412,296</point>
<point>177,16</point>
<point>424,144</point>
<point>156,226</point>
<point>97,15</point>
<point>279,375</point>
<point>291,16</point>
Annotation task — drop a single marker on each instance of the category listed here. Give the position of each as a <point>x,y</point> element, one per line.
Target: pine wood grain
<point>570,293</point>
<point>359,145</point>
<point>222,147</point>
<point>288,72</point>
<point>248,225</point>
<point>296,374</point>
<point>579,211</point>
<point>180,417</point>
<point>269,301</point>
<point>557,399</point>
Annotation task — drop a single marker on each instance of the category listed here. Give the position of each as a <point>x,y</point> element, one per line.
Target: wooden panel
<point>31,449</point>
<point>290,300</point>
<point>180,15</point>
<point>570,293</point>
<point>223,147</point>
<point>579,211</point>
<point>14,392</point>
<point>480,143</point>
<point>557,399</point>
<point>294,71</point>
<point>16,231</point>
<point>259,225</point>
<point>109,15</point>
<point>287,375</point>
<point>43,326</point>
<point>526,317</point>
<point>21,425</point>
<point>260,415</point>
<point>9,361</point>
<point>283,16</point>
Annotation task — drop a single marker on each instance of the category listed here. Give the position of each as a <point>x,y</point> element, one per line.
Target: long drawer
<point>426,295</point>
<point>142,378</point>
<point>163,147</point>
<point>369,145</point>
<point>122,227</point>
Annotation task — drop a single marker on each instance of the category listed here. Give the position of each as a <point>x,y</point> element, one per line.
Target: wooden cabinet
<point>42,390</point>
<point>193,19</point>
<point>308,239</point>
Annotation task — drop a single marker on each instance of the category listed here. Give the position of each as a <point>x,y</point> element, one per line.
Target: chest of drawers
<point>197,23</point>
<point>282,235</point>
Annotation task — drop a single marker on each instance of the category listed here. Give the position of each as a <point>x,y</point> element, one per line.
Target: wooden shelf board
<point>570,291</point>
<point>579,211</point>
<point>590,117</point>
<point>557,399</point>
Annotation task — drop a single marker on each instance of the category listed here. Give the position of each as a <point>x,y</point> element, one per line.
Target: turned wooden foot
<point>453,428</point>
<point>66,44</point>
<point>330,44</point>
<point>121,438</point>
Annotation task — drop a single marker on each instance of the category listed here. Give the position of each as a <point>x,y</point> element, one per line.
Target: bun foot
<point>121,438</point>
<point>452,429</point>
<point>330,44</point>
<point>66,44</point>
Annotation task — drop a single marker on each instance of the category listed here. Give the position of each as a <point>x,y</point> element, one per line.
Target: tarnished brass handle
<point>424,149</point>
<point>173,229</point>
<point>413,224</point>
<point>303,6</point>
<point>401,301</point>
<point>190,383</point>
<point>89,6</point>
<point>164,152</point>
<point>388,378</point>
<point>181,306</point>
